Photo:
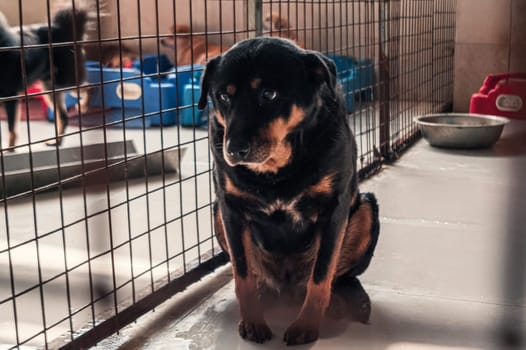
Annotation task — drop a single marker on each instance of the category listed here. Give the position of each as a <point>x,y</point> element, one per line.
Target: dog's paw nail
<point>256,332</point>
<point>362,312</point>
<point>297,335</point>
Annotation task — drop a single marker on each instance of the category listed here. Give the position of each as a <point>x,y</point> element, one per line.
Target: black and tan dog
<point>63,68</point>
<point>288,210</point>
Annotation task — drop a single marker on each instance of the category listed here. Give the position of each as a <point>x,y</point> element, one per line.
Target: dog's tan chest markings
<point>287,207</point>
<point>322,187</point>
<point>233,190</point>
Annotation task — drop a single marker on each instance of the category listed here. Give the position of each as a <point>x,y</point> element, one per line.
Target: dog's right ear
<point>208,74</point>
<point>322,69</point>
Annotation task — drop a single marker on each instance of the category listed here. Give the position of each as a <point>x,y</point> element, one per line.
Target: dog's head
<point>275,22</point>
<point>180,40</point>
<point>264,91</point>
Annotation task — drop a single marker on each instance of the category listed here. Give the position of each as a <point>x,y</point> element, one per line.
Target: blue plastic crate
<point>70,97</point>
<point>344,65</point>
<point>126,92</point>
<point>366,78</point>
<point>348,82</point>
<point>135,92</point>
<point>361,70</point>
<point>188,95</point>
<point>347,78</point>
<point>152,64</point>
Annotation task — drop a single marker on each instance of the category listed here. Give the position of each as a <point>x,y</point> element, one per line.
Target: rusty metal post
<point>383,74</point>
<point>389,75</point>
<point>255,18</point>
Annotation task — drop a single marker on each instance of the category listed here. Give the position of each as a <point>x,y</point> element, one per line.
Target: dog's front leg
<point>12,109</point>
<point>252,325</point>
<point>305,328</point>
<point>61,118</point>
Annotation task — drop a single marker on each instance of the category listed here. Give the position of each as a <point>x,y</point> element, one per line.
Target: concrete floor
<point>50,210</point>
<point>183,204</point>
<point>449,265</point>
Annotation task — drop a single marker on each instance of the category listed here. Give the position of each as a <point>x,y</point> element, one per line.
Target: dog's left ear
<point>209,72</point>
<point>321,69</point>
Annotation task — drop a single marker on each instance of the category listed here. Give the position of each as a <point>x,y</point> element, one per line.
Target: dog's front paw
<point>256,332</point>
<point>298,334</point>
<point>56,142</point>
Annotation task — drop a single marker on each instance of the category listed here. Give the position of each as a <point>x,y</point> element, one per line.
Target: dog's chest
<point>284,226</point>
<point>284,211</point>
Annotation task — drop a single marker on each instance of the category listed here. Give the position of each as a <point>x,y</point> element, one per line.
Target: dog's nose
<point>238,150</point>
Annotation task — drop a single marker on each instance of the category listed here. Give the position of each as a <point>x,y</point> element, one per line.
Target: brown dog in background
<point>280,27</point>
<point>111,55</point>
<point>196,49</point>
<point>191,48</point>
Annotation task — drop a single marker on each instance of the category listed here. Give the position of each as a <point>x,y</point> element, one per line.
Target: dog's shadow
<point>214,325</point>
<point>349,303</point>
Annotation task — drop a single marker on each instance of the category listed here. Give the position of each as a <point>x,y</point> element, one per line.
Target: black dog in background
<point>67,63</point>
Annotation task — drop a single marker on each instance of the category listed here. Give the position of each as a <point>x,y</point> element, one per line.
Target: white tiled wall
<point>490,38</point>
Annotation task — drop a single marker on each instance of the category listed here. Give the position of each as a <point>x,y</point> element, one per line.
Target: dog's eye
<point>269,95</point>
<point>223,97</point>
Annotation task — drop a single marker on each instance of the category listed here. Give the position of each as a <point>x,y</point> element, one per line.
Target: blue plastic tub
<point>357,75</point>
<point>159,87</point>
<point>188,95</point>
<point>348,82</point>
<point>70,97</point>
<point>366,78</point>
<point>137,93</point>
<point>153,64</point>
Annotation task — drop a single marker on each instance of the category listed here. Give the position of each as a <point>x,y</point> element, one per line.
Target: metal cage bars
<point>84,256</point>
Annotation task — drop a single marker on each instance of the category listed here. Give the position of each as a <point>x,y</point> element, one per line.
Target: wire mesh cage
<point>104,219</point>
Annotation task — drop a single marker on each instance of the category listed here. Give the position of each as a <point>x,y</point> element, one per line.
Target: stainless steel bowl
<point>461,130</point>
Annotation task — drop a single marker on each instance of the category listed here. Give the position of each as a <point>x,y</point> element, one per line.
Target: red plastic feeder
<point>502,95</point>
